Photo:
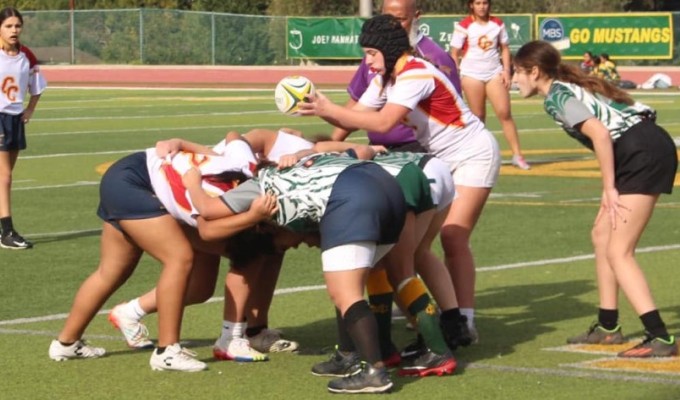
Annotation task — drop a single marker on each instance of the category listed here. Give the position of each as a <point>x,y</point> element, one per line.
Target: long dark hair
<point>547,59</point>
<point>10,12</point>
<point>248,245</point>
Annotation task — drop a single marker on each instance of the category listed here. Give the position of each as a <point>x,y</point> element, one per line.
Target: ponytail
<point>548,60</point>
<point>596,85</point>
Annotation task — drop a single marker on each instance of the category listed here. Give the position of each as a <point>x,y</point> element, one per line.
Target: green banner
<point>622,36</point>
<point>440,28</point>
<point>338,38</point>
<point>319,38</point>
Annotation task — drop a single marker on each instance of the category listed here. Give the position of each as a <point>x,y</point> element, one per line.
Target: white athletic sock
<point>136,309</point>
<point>232,330</point>
<point>133,310</point>
<point>470,314</point>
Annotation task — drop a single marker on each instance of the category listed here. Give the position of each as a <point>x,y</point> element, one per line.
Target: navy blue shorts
<point>125,192</point>
<point>645,160</point>
<point>366,204</point>
<point>12,134</point>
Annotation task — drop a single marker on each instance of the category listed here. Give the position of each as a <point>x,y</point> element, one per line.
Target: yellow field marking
<point>565,169</point>
<point>665,365</point>
<point>101,168</point>
<point>661,365</point>
<point>612,349</point>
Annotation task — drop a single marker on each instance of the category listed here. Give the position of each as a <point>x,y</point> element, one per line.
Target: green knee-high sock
<point>413,295</point>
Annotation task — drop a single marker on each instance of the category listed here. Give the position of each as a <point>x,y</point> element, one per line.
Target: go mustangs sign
<point>622,36</point>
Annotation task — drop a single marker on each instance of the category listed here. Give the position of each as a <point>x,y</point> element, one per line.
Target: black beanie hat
<point>385,33</point>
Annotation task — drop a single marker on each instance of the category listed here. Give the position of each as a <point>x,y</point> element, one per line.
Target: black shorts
<point>12,134</point>
<point>366,204</point>
<point>125,192</point>
<point>645,160</point>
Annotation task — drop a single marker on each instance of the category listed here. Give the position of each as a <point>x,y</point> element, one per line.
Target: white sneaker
<point>176,358</point>
<point>270,341</point>
<point>59,352</point>
<point>520,162</point>
<point>135,332</point>
<point>237,349</point>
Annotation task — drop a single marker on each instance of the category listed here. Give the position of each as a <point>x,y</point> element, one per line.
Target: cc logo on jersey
<point>10,88</point>
<point>484,43</point>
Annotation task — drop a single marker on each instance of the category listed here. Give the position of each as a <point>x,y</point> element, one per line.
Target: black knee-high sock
<point>363,329</point>
<point>608,319</point>
<point>6,224</point>
<point>654,324</point>
<point>345,343</point>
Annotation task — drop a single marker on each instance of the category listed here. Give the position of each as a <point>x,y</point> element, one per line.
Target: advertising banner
<point>622,36</point>
<point>440,28</point>
<point>338,38</point>
<point>319,38</point>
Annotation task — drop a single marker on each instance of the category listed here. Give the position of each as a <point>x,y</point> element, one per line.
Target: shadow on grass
<point>512,315</point>
<point>59,237</point>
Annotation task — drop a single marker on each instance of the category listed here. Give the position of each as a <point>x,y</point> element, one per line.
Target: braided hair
<point>385,33</point>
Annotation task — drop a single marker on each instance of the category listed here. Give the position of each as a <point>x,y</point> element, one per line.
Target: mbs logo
<point>484,43</point>
<point>10,88</point>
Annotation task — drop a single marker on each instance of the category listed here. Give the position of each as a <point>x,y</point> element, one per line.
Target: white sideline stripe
<point>540,263</point>
<point>183,89</point>
<point>259,125</point>
<point>575,374</point>
<point>76,184</point>
<point>54,317</point>
<point>52,334</point>
<point>128,117</point>
<point>320,287</point>
<point>188,128</point>
<point>64,233</point>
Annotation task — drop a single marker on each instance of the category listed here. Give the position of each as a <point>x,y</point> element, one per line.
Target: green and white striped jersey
<point>399,158</point>
<point>569,105</point>
<point>304,189</point>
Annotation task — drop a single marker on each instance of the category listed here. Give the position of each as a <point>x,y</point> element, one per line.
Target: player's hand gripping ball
<point>290,91</point>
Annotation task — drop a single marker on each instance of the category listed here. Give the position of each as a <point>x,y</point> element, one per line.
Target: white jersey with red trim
<point>285,144</point>
<point>439,116</point>
<point>480,43</point>
<point>20,75</point>
<point>166,175</point>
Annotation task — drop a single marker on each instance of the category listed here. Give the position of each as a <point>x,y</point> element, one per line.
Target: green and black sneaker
<point>597,334</point>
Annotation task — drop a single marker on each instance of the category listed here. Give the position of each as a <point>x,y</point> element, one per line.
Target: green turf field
<point>535,282</point>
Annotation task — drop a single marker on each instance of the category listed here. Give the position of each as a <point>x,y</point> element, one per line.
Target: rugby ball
<point>290,91</point>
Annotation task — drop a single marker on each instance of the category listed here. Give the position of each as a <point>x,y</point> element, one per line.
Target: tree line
<point>344,7</point>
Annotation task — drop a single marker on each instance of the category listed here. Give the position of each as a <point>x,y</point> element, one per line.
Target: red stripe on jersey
<point>32,60</point>
<point>442,106</point>
<point>412,64</point>
<point>496,21</point>
<point>466,22</point>
<point>178,190</point>
<point>223,186</point>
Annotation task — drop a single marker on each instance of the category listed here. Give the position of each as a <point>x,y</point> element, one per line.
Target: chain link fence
<point>154,37</point>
